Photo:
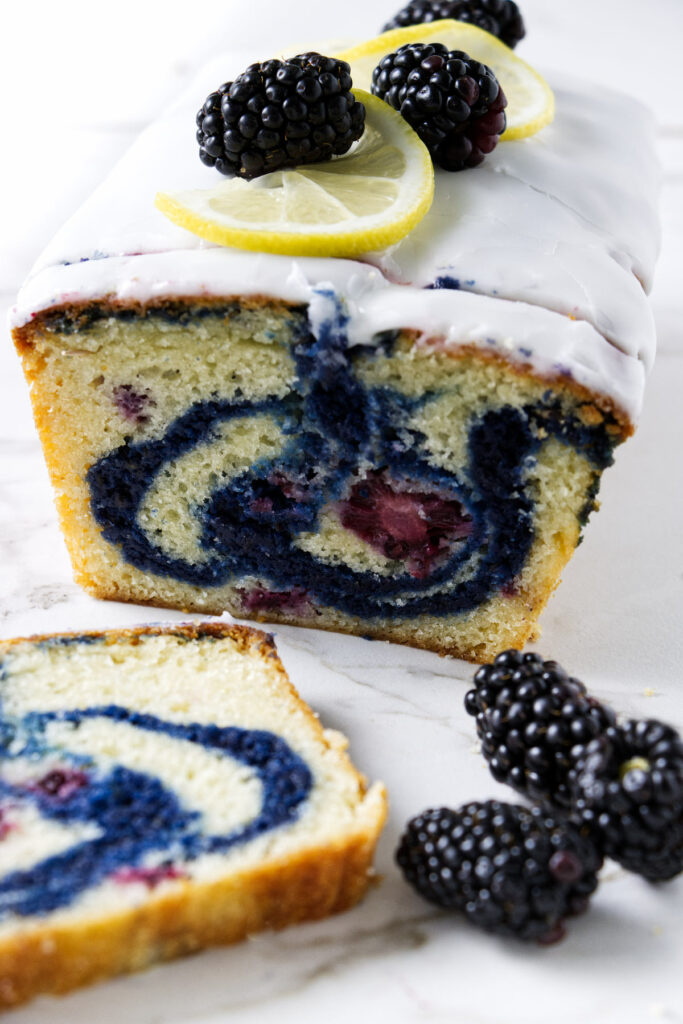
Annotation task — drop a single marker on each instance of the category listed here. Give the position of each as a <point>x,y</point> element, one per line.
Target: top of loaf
<point>546,251</point>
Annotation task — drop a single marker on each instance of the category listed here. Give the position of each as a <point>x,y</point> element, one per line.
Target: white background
<point>79,80</point>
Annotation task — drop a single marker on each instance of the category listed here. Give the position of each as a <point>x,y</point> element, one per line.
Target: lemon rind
<point>395,37</point>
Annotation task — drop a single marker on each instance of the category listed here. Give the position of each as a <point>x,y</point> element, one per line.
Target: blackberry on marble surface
<point>501,18</point>
<point>628,787</point>
<point>280,114</point>
<point>453,102</point>
<point>511,870</point>
<point>530,715</point>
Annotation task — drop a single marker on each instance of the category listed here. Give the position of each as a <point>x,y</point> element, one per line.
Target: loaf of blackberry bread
<point>405,447</point>
<point>163,790</point>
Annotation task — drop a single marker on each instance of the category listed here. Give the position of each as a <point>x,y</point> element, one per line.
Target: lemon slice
<point>531,104</point>
<point>367,199</point>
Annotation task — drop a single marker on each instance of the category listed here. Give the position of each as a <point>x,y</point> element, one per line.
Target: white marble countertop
<point>77,86</point>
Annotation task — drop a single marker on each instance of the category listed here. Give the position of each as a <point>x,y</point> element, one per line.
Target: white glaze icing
<point>563,225</point>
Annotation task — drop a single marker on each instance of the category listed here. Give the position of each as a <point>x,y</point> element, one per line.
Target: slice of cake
<point>405,447</point>
<point>163,790</point>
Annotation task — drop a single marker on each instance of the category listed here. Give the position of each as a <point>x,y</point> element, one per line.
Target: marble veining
<point>156,819</point>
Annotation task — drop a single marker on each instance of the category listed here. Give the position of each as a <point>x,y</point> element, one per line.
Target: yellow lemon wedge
<point>367,199</point>
<point>531,104</point>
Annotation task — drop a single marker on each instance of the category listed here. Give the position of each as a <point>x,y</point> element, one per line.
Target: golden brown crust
<point>314,884</point>
<point>246,639</point>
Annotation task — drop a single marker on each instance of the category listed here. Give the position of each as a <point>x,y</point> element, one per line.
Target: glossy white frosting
<point>553,242</point>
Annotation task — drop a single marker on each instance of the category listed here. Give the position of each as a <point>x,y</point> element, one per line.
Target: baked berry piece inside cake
<point>163,790</point>
<point>405,445</point>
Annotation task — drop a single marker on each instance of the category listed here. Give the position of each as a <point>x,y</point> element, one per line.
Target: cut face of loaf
<point>163,790</point>
<point>219,455</point>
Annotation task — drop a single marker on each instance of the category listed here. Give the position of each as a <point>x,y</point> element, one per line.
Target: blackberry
<point>511,870</point>
<point>453,102</point>
<point>280,114</point>
<point>530,714</point>
<point>499,17</point>
<point>628,787</point>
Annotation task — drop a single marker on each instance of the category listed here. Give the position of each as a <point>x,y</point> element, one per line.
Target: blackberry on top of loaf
<point>403,444</point>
